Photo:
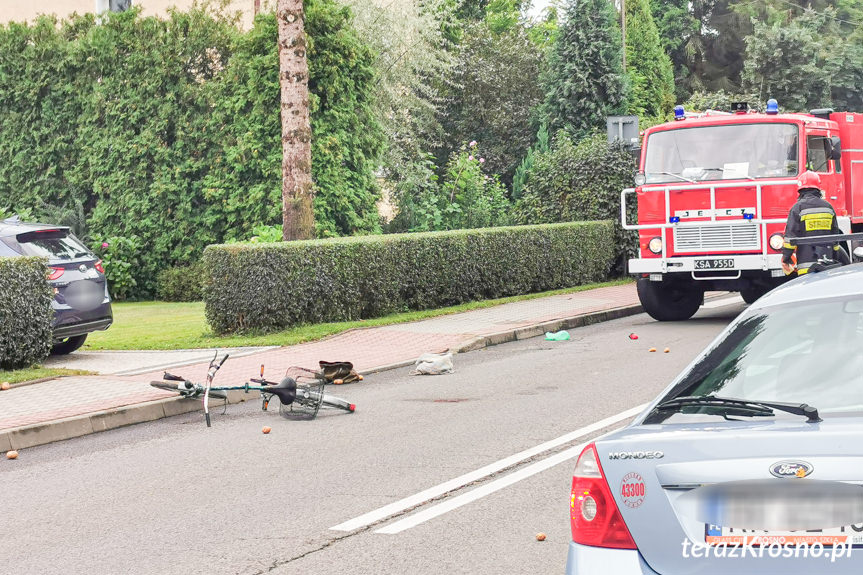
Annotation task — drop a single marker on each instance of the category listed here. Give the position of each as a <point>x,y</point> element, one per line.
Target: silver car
<point>751,461</point>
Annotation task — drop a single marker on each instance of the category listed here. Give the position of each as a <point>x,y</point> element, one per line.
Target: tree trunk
<point>298,221</point>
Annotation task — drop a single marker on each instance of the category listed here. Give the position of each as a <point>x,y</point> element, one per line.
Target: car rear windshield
<point>52,244</point>
<point>806,353</point>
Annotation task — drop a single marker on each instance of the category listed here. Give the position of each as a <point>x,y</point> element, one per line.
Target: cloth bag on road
<point>433,364</point>
<point>339,371</point>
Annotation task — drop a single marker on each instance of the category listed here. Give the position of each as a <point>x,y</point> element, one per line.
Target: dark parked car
<point>81,301</point>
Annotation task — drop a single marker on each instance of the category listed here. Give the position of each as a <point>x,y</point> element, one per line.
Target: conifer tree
<point>585,82</point>
<point>649,68</point>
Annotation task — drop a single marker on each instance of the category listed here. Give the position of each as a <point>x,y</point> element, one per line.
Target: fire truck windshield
<point>739,151</point>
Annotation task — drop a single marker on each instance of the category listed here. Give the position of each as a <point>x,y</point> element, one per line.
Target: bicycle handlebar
<point>223,359</point>
<point>171,377</point>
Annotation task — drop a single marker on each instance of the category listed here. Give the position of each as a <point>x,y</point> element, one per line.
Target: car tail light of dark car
<point>594,516</point>
<point>55,273</point>
<point>99,267</point>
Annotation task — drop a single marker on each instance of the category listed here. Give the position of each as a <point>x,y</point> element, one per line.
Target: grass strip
<point>179,325</point>
<point>37,372</point>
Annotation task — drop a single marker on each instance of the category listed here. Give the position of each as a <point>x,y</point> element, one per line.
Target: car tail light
<point>55,273</point>
<point>99,267</point>
<point>593,514</point>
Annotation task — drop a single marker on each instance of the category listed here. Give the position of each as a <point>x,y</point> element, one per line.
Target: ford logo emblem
<point>791,468</point>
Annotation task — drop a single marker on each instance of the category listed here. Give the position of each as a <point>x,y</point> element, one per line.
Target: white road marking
<point>722,302</point>
<point>443,488</point>
<point>482,491</point>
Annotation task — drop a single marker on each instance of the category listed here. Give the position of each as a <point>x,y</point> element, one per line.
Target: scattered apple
<point>12,454</point>
<point>540,536</point>
<point>5,385</point>
<point>652,349</point>
<point>266,430</point>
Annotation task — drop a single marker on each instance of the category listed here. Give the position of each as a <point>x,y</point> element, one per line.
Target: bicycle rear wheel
<point>191,393</point>
<point>175,387</point>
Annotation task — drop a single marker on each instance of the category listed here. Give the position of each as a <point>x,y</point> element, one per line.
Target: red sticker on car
<point>632,490</point>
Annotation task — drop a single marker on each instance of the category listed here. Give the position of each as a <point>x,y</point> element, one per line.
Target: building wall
<point>27,10</point>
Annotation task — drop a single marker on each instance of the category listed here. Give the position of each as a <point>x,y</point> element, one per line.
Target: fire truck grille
<point>742,236</point>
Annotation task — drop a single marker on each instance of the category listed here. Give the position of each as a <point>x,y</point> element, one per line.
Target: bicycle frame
<point>286,390</point>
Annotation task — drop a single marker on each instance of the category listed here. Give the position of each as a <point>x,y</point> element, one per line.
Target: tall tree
<point>678,31</point>
<point>585,81</point>
<point>413,69</point>
<point>648,66</point>
<point>497,88</point>
<point>297,188</point>
<point>806,62</point>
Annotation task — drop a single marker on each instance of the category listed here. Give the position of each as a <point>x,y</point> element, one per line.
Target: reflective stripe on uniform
<point>789,246</point>
<point>818,210</point>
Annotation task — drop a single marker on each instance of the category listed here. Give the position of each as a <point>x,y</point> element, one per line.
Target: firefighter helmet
<point>809,180</point>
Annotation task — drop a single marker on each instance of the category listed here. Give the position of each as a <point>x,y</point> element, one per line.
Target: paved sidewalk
<point>69,407</point>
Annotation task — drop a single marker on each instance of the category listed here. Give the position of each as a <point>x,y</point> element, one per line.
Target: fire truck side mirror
<point>636,153</point>
<point>835,148</point>
<point>858,253</point>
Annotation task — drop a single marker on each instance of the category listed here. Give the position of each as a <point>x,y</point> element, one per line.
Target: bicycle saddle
<point>286,390</point>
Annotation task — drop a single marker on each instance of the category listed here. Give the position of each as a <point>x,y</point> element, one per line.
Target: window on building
<point>112,5</point>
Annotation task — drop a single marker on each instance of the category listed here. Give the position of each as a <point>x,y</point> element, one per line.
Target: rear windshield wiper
<point>759,407</point>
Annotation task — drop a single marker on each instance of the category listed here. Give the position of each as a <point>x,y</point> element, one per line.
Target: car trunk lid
<point>667,462</point>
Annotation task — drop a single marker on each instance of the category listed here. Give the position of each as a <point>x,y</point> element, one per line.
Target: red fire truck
<point>713,193</point>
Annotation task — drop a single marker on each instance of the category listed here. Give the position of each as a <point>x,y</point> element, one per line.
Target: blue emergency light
<point>673,219</point>
<point>748,216</point>
<point>772,107</point>
<point>679,113</point>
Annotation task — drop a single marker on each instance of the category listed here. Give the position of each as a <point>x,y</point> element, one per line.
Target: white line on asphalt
<point>438,490</point>
<point>479,492</point>
<point>722,302</point>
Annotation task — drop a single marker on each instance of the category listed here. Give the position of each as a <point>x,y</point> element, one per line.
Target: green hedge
<point>182,283</point>
<point>25,312</point>
<point>274,286</point>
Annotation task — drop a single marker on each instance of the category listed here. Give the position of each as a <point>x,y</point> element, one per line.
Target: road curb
<point>71,427</point>
<point>553,325</point>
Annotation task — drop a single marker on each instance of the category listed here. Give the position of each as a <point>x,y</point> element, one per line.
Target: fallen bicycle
<point>301,392</point>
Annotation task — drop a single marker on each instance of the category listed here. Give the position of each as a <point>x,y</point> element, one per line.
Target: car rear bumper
<point>70,330</point>
<point>586,560</point>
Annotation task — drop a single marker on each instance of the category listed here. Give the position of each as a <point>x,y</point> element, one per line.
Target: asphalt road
<point>175,497</point>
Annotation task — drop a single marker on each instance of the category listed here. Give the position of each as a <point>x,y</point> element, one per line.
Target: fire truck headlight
<point>640,179</point>
<point>655,245</point>
<point>776,241</point>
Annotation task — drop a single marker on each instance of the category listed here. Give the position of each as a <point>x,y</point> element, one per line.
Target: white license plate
<point>850,535</point>
<point>717,264</point>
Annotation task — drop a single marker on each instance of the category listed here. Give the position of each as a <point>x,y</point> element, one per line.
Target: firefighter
<point>810,216</point>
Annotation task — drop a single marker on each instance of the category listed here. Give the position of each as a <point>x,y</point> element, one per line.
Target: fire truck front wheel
<point>668,301</point>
